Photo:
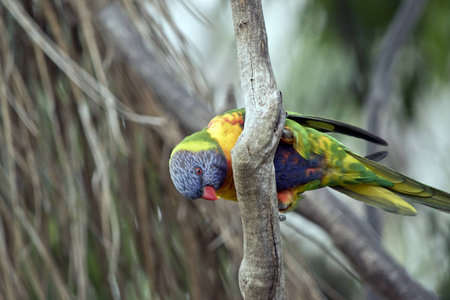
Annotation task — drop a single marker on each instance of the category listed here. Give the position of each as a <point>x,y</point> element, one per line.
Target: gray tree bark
<point>261,272</point>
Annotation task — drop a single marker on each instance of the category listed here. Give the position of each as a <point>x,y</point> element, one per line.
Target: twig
<point>325,250</point>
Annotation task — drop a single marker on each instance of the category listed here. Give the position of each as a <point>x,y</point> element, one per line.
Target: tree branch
<point>379,94</point>
<point>361,246</point>
<point>129,43</point>
<point>261,272</point>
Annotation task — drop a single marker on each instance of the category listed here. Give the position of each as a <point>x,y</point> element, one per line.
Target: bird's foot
<point>287,133</point>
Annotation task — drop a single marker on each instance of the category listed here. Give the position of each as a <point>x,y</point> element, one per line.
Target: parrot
<point>306,158</point>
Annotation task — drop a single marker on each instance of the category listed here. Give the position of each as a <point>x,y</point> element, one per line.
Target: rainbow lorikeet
<point>306,158</point>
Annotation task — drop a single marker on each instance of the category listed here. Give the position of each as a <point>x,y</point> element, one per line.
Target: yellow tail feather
<point>407,188</point>
<point>379,197</point>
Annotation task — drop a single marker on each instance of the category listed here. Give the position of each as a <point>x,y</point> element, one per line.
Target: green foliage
<point>338,44</point>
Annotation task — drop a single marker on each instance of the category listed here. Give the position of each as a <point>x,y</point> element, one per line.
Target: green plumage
<point>306,158</point>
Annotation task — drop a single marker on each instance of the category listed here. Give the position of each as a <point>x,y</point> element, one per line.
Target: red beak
<point>209,193</point>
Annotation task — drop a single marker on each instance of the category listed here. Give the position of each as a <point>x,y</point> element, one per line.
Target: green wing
<point>328,125</point>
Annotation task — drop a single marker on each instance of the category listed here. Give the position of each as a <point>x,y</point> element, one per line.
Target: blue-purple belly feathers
<point>292,170</point>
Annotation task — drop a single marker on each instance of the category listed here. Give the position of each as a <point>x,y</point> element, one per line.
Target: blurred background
<point>87,208</point>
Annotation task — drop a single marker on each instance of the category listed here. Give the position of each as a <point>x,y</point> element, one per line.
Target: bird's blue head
<point>198,174</point>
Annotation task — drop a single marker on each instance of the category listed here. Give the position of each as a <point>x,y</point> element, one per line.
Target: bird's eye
<point>198,171</point>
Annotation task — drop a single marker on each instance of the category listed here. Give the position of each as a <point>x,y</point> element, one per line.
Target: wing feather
<point>329,125</point>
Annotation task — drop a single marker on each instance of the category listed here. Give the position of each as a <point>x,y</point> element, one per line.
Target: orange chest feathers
<point>225,129</point>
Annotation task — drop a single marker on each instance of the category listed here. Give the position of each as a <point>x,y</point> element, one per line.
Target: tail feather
<point>407,188</point>
<point>379,197</point>
<point>439,200</point>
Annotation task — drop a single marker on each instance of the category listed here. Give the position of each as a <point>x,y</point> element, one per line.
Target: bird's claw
<point>287,134</point>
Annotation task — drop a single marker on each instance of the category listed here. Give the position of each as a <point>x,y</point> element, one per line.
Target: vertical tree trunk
<point>261,271</point>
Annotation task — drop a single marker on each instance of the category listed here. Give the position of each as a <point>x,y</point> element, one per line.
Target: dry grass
<point>86,205</point>
<point>87,208</point>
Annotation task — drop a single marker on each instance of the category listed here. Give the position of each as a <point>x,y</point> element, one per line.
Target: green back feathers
<point>363,182</point>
